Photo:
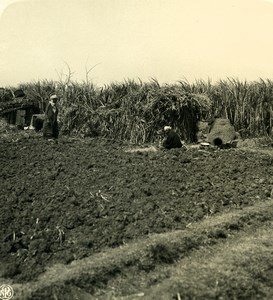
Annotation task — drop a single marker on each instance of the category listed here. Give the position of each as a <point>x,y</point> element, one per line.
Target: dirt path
<point>236,268</point>
<point>240,268</point>
<point>199,262</point>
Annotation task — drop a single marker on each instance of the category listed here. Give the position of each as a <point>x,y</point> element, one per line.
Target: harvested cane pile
<point>133,112</point>
<point>18,103</point>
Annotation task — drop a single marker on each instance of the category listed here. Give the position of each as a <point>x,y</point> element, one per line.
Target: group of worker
<point>51,128</point>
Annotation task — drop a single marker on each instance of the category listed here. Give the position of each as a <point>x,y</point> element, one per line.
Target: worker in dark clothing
<point>172,139</point>
<point>50,125</point>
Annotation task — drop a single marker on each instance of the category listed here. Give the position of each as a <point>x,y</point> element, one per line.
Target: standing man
<point>50,126</point>
<point>172,139</point>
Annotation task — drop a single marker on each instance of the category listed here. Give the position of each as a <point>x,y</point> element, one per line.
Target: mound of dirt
<point>67,200</point>
<point>222,132</point>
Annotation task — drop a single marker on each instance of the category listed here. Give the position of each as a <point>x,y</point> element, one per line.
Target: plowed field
<point>64,201</point>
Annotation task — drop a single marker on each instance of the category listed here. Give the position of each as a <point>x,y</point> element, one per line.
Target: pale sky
<point>169,40</point>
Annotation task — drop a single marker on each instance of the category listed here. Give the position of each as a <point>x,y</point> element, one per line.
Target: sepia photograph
<point>136,149</point>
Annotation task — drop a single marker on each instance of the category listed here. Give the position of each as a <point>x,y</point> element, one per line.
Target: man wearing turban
<point>172,139</point>
<point>50,126</point>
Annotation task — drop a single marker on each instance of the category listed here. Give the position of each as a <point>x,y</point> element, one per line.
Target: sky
<point>116,40</point>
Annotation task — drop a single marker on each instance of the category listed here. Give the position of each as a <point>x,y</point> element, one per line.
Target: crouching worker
<point>50,125</point>
<point>172,139</point>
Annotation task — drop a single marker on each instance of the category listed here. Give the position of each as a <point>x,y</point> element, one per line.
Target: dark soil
<point>64,201</point>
